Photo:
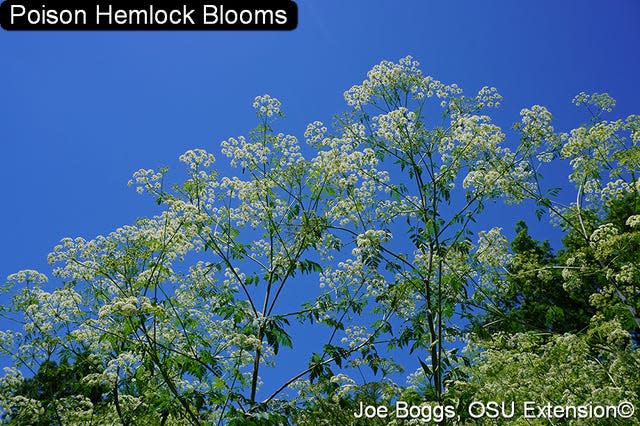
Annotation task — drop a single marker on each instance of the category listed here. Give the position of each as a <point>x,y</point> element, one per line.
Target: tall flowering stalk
<point>442,169</point>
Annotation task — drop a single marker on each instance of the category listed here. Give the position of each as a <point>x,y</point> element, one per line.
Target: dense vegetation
<point>373,237</point>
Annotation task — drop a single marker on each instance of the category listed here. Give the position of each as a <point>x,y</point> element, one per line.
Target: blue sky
<point>79,112</point>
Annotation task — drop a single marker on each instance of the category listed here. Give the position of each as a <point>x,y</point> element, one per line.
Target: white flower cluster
<point>251,209</point>
<point>12,378</point>
<point>25,409</point>
<point>347,274</point>
<point>96,379</point>
<point>506,177</point>
<point>493,248</point>
<point>8,338</point>
<point>150,307</point>
<point>471,137</point>
<point>45,312</point>
<point>629,273</point>
<point>537,129</point>
<point>59,307</point>
<point>387,78</point>
<point>115,255</point>
<point>121,307</point>
<point>355,336</point>
<point>601,237</point>
<point>632,123</point>
<point>124,364</point>
<point>245,153</point>
<point>232,278</point>
<point>351,172</point>
<point>600,100</point>
<point>288,148</point>
<point>388,210</point>
<point>488,97</point>
<point>370,241</point>
<point>315,133</point>
<point>612,190</point>
<point>397,127</point>
<point>344,382</point>
<point>146,180</point>
<point>633,221</point>
<point>196,158</point>
<point>266,106</point>
<point>244,341</point>
<point>599,150</point>
<point>75,409</point>
<point>28,276</point>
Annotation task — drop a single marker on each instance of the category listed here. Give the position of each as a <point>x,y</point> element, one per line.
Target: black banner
<point>148,15</point>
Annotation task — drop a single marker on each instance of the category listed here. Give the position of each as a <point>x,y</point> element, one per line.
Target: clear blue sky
<point>79,112</point>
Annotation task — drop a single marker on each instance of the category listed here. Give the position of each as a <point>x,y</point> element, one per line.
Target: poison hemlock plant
<point>369,236</point>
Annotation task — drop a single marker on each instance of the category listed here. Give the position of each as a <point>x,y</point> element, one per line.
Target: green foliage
<point>532,297</point>
<point>598,367</point>
<point>53,382</point>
